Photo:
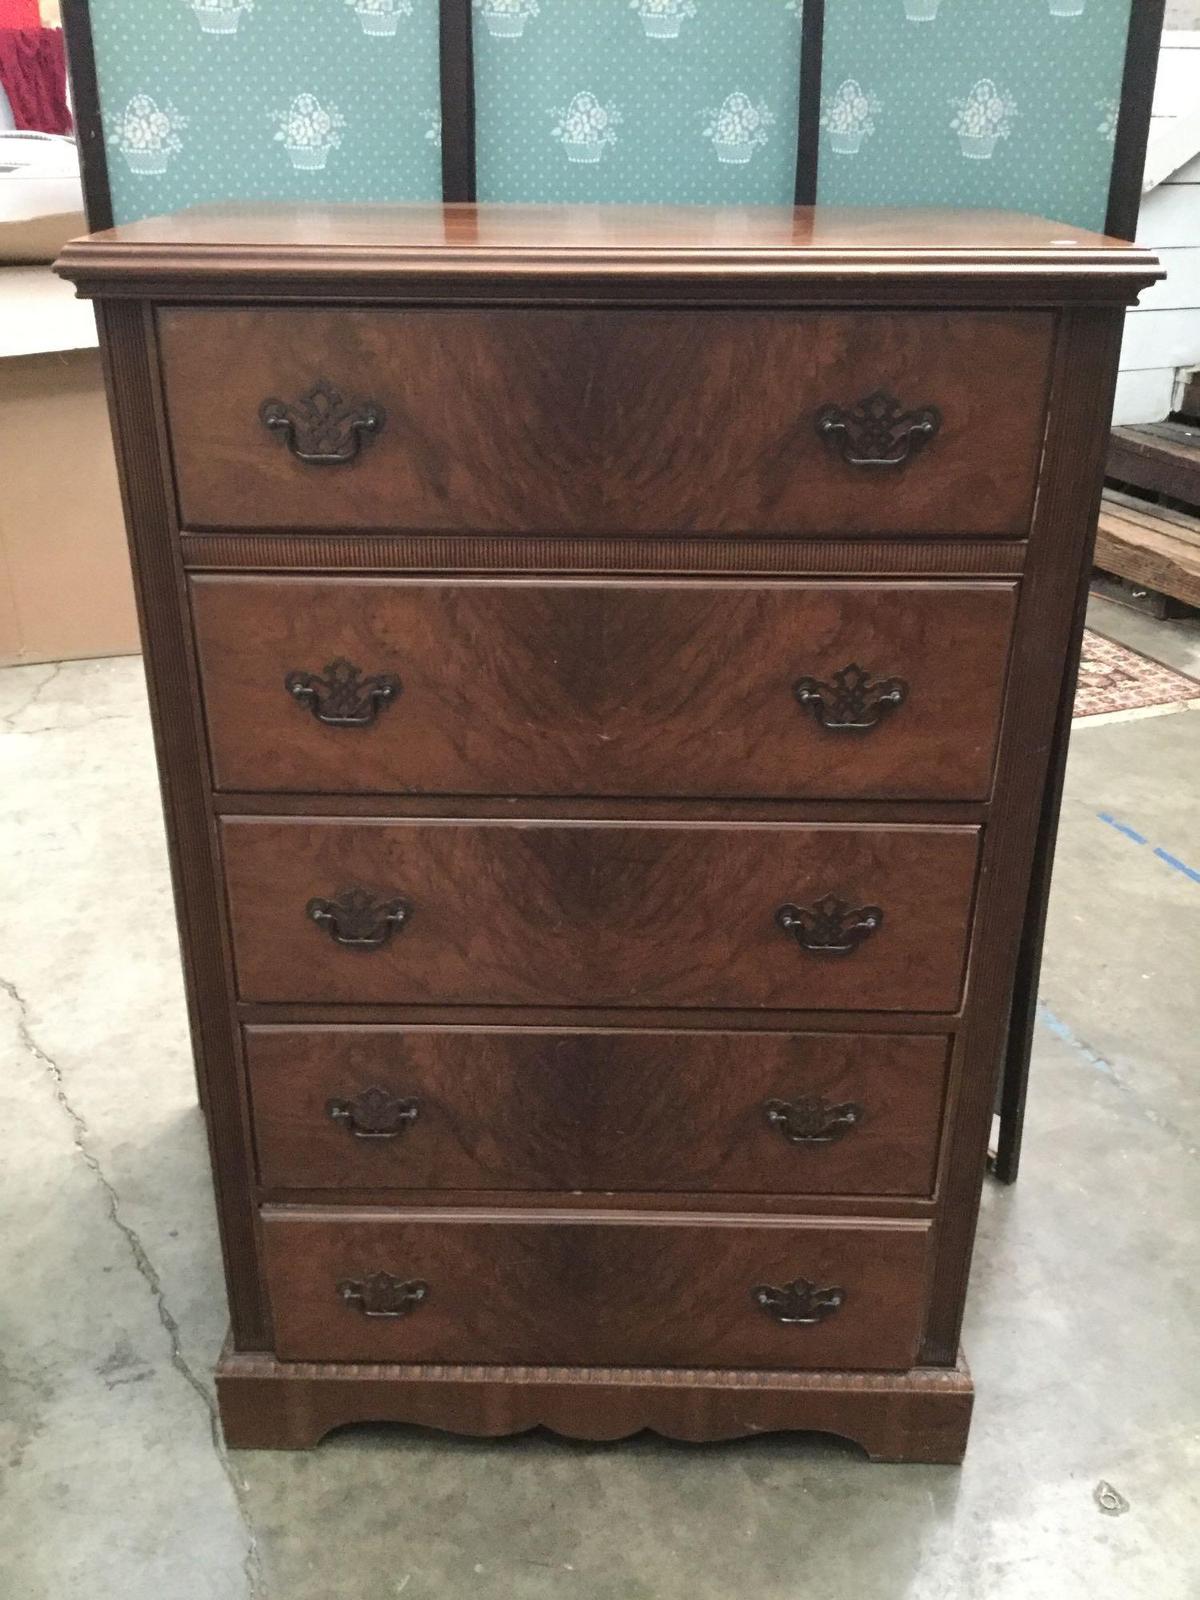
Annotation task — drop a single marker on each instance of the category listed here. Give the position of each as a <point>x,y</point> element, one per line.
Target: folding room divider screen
<point>1021,105</point>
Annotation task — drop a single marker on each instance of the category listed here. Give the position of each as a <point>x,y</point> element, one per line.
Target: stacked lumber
<point>1161,458</point>
<point>1151,546</point>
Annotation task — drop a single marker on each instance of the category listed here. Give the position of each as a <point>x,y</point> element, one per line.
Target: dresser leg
<point>1004,1162</point>
<point>918,1416</point>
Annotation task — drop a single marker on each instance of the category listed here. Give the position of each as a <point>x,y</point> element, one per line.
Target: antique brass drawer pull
<point>359,919</point>
<point>321,429</point>
<point>853,702</point>
<point>373,1114</point>
<point>829,927</point>
<point>876,433</point>
<point>341,697</point>
<point>382,1295</point>
<point>799,1303</point>
<point>811,1119</point>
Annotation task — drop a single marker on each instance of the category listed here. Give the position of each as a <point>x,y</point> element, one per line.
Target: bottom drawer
<point>577,1289</point>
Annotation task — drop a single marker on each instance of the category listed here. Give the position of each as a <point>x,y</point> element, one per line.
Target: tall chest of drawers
<point>603,664</point>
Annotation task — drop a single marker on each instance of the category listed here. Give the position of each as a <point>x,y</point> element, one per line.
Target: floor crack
<point>252,1562</point>
<point>67,727</point>
<point>11,716</point>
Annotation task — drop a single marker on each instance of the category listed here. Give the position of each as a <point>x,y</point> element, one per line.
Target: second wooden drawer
<point>796,915</point>
<point>839,690</point>
<point>387,1108</point>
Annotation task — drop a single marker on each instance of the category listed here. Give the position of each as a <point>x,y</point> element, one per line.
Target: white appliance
<point>41,207</point>
<point>39,176</point>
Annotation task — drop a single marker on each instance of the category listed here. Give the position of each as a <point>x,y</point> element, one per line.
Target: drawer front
<point>607,422</point>
<point>463,1108</point>
<point>854,690</point>
<point>582,1290</point>
<point>611,914</point>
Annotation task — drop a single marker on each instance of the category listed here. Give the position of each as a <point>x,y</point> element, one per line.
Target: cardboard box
<point>65,587</point>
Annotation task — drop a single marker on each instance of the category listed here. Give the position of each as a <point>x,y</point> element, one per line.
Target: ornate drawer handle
<point>321,429</point>
<point>799,1303</point>
<point>830,927</point>
<point>373,1114</point>
<point>359,919</point>
<point>811,1119</point>
<point>876,432</point>
<point>342,697</point>
<point>853,702</point>
<point>381,1295</point>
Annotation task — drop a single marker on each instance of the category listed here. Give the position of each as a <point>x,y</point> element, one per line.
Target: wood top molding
<point>768,254</point>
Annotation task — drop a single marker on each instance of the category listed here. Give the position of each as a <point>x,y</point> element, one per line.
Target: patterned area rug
<point>1114,681</point>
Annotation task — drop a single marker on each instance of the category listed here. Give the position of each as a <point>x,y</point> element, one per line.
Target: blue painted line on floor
<point>1123,827</point>
<point>1164,856</point>
<point>1179,866</point>
<point>1064,1031</point>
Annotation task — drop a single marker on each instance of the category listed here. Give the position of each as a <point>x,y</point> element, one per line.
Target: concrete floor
<point>1081,1330</point>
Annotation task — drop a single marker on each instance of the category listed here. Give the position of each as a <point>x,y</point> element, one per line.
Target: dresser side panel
<point>1063,537</point>
<point>130,368</point>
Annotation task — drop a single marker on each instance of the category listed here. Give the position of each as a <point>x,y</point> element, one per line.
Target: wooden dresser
<point>603,664</point>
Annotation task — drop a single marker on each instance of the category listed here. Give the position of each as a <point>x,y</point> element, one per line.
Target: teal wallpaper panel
<point>267,99</point>
<point>1009,104</point>
<point>686,101</point>
<point>1005,103</point>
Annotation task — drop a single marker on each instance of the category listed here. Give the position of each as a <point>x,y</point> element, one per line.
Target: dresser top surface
<point>318,243</point>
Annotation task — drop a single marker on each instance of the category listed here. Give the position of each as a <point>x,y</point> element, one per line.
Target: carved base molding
<point>922,1415</point>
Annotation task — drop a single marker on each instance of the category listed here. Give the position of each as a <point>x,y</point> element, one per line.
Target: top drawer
<point>607,422</point>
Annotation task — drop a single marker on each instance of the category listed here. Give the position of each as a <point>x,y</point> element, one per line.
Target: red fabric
<point>19,14</point>
<point>33,70</point>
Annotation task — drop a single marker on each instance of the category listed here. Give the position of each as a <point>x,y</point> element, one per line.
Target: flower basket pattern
<point>1053,63</point>
<point>663,19</point>
<point>983,116</point>
<point>506,19</point>
<point>738,127</point>
<point>380,19</point>
<point>230,65</point>
<point>433,128</point>
<point>308,131</point>
<point>585,127</point>
<point>1109,110</point>
<point>848,116</point>
<point>148,135</point>
<point>219,16</point>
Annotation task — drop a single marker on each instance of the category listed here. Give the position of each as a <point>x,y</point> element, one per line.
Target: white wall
<point>1183,14</point>
<point>1162,335</point>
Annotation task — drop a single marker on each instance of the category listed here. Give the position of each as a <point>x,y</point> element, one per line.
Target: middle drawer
<point>847,690</point>
<point>790,915</point>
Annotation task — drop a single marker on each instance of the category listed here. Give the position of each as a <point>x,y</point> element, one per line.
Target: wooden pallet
<point>1162,458</point>
<point>1150,546</point>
